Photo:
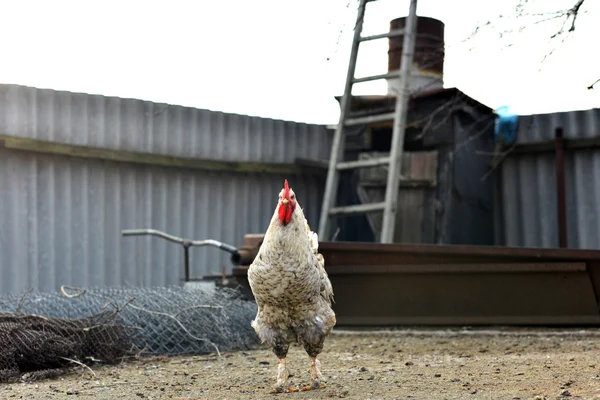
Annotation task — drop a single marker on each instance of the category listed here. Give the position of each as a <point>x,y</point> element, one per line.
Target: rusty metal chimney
<point>428,65</point>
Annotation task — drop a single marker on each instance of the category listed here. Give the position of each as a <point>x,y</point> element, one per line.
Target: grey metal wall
<point>525,205</point>
<point>61,217</point>
<point>136,125</point>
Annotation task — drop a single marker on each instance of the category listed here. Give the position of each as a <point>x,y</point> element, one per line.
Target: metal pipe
<point>153,232</point>
<point>246,255</point>
<point>393,178</point>
<point>194,243</point>
<point>215,243</point>
<point>561,198</point>
<point>186,243</point>
<point>186,262</point>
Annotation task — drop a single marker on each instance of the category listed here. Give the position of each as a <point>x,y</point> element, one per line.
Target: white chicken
<point>292,289</point>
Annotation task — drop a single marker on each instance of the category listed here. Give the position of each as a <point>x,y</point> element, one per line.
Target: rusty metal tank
<point>428,62</point>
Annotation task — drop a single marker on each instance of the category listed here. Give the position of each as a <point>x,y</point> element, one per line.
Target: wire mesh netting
<point>43,334</point>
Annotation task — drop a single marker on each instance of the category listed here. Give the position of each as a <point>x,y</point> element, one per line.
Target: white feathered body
<point>290,286</point>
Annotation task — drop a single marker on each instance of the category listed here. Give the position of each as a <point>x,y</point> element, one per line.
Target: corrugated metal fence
<point>61,216</point>
<point>526,200</point>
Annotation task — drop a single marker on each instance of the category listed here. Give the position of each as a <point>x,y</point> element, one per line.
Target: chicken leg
<point>282,376</point>
<point>280,348</point>
<point>315,373</point>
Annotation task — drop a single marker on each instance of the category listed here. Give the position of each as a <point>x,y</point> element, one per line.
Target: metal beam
<point>98,153</point>
<point>561,197</point>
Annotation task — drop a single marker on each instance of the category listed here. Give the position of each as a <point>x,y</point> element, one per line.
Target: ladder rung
<point>394,33</point>
<point>370,162</point>
<point>393,74</point>
<point>357,209</point>
<point>370,119</point>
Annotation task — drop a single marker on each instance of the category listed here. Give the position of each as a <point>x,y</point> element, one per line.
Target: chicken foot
<point>315,375</point>
<point>282,376</point>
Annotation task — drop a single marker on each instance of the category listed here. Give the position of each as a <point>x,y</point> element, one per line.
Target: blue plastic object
<point>506,125</point>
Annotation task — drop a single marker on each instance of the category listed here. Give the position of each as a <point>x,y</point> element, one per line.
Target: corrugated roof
<point>144,126</point>
<point>583,124</point>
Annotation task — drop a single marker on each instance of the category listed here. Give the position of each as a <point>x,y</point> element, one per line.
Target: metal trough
<point>381,284</point>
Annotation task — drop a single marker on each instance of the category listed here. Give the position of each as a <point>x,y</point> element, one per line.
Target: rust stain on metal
<point>407,284</point>
<point>356,253</point>
<point>429,45</point>
<point>455,268</point>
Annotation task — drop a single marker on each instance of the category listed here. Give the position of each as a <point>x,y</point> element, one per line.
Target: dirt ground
<point>402,364</point>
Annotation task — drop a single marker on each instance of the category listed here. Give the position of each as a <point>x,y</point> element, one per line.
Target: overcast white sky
<point>281,58</point>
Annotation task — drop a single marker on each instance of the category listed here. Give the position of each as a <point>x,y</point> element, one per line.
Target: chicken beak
<point>285,201</point>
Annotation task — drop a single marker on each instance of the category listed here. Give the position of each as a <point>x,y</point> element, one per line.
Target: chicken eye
<point>292,197</point>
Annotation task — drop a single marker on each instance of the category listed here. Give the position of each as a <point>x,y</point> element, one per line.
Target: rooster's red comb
<point>286,189</point>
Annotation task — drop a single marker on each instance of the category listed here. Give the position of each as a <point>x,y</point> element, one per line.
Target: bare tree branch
<point>22,300</point>
<point>497,161</point>
<point>537,18</point>
<point>574,12</point>
<point>592,85</point>
<point>80,364</point>
<point>523,20</point>
<point>553,49</point>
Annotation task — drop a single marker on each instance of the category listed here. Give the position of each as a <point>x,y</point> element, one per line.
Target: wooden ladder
<point>394,161</point>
